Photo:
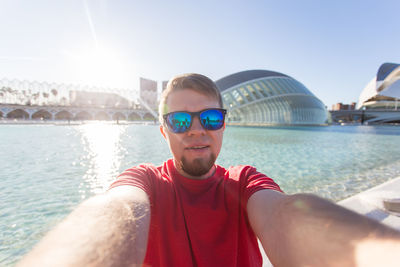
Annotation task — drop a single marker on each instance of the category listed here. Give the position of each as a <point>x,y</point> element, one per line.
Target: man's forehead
<point>186,99</point>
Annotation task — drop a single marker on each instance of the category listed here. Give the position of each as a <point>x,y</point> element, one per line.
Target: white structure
<point>262,97</point>
<point>373,203</point>
<point>148,93</point>
<point>383,91</point>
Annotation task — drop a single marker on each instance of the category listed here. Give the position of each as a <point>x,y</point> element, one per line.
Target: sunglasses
<point>180,121</point>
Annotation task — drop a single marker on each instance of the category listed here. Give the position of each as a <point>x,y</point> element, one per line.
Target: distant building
<point>341,106</point>
<point>378,102</point>
<point>164,85</point>
<point>97,99</point>
<point>148,92</point>
<point>383,91</point>
<point>380,99</point>
<point>262,97</point>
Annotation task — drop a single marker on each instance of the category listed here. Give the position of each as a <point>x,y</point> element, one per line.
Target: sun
<point>100,66</point>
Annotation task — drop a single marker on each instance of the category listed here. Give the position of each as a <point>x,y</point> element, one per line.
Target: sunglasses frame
<point>192,115</point>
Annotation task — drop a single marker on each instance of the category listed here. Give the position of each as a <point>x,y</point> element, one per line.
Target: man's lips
<point>197,147</point>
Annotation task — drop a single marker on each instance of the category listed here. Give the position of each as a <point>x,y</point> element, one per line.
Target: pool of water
<point>46,170</point>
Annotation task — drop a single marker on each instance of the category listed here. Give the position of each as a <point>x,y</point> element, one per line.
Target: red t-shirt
<point>199,222</point>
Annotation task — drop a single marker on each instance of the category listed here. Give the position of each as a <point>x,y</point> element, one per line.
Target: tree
<point>54,92</point>
<point>46,96</point>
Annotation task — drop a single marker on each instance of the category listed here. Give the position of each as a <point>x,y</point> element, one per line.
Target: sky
<point>333,47</point>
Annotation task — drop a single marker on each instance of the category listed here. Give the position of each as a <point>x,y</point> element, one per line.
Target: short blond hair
<point>193,81</point>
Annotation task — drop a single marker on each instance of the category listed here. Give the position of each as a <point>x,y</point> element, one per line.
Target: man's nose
<point>196,126</point>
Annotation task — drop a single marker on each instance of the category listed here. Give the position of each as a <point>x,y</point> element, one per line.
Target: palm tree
<point>10,95</point>
<point>63,101</point>
<point>54,93</point>
<point>35,97</point>
<point>46,96</point>
<point>3,93</point>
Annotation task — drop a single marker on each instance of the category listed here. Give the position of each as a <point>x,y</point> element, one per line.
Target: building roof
<point>384,70</point>
<point>244,76</point>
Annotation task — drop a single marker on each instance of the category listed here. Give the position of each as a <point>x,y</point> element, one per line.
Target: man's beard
<point>198,166</point>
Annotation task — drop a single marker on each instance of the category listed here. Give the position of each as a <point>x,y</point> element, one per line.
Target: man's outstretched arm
<point>106,230</point>
<point>306,230</point>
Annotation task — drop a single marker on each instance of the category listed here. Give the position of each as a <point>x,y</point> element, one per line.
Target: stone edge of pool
<point>370,202</point>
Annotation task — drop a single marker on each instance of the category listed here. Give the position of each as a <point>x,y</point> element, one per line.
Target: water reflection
<point>102,143</point>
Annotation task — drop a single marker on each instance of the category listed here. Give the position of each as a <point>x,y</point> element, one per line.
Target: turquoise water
<point>46,170</point>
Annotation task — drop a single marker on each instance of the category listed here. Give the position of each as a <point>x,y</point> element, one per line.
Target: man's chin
<point>198,166</point>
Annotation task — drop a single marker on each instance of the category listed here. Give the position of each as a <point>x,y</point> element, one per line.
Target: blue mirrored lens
<point>212,119</point>
<point>179,122</point>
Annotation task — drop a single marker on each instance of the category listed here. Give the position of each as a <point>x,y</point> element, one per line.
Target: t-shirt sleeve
<point>257,181</point>
<point>137,176</point>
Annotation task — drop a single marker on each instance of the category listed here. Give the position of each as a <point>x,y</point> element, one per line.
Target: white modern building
<point>262,97</point>
<point>381,97</point>
<point>383,91</point>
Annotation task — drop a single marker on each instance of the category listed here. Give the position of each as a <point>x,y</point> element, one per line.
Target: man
<point>191,212</point>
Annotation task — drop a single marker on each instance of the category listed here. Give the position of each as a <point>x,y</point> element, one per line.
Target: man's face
<point>195,150</point>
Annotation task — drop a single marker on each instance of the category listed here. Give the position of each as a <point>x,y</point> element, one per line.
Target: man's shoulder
<point>241,169</point>
<point>250,179</point>
<point>140,169</point>
<point>144,169</point>
<point>238,172</point>
<point>144,176</point>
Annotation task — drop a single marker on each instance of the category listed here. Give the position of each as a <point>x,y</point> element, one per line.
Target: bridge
<point>369,116</point>
<point>50,101</point>
<point>58,112</point>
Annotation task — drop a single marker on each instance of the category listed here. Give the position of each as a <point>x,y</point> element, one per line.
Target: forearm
<point>99,232</point>
<point>305,230</point>
<point>321,233</point>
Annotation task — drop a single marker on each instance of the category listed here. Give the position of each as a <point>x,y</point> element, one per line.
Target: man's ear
<point>162,132</point>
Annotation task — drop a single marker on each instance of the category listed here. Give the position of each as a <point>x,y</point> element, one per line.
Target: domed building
<point>262,97</point>
<point>383,91</point>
